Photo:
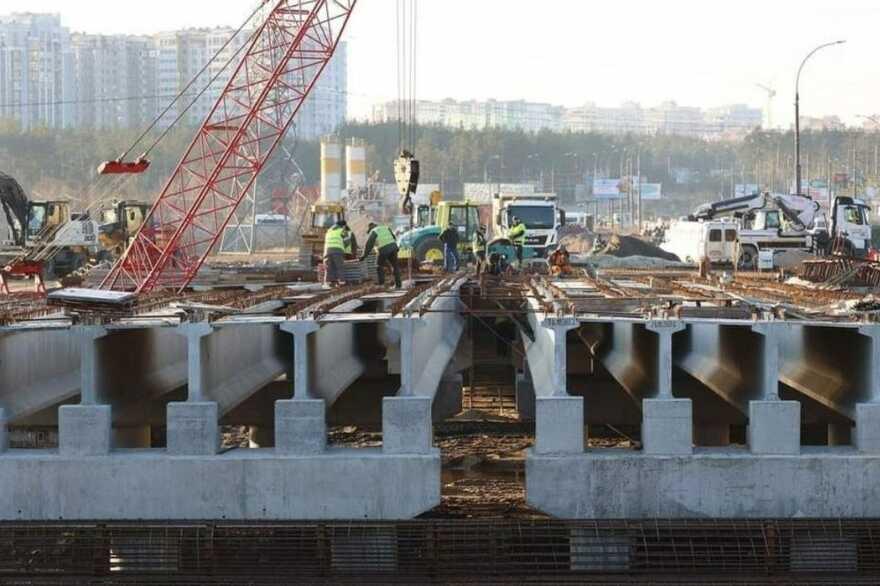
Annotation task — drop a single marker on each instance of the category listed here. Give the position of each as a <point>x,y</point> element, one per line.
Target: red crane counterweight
<point>119,167</point>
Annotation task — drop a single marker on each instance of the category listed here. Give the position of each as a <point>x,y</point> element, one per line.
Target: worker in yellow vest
<point>334,253</point>
<point>517,236</point>
<point>383,240</point>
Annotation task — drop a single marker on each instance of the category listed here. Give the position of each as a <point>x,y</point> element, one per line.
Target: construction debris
<point>625,246</point>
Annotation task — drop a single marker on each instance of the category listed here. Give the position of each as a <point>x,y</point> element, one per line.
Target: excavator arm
<point>15,207</point>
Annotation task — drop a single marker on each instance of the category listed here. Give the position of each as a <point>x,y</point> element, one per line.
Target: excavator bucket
<point>123,168</point>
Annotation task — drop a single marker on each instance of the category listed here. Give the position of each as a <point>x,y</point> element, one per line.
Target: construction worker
<point>449,238</point>
<point>382,238</point>
<point>517,236</point>
<point>334,253</point>
<point>479,246</point>
<point>351,243</point>
<point>560,262</point>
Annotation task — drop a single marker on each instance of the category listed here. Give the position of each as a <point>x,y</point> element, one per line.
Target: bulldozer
<point>320,218</point>
<point>119,223</point>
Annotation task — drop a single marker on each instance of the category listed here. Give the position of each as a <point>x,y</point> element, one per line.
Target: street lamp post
<point>797,113</point>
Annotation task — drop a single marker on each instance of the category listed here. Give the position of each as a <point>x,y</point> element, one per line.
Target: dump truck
<point>539,212</point>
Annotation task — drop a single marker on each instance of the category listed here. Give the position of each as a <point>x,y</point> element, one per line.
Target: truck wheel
<point>748,258</point>
<point>429,250</point>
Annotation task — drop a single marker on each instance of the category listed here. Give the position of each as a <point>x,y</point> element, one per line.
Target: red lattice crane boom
<point>283,61</point>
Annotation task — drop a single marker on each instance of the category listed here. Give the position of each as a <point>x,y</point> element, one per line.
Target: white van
<point>690,240</point>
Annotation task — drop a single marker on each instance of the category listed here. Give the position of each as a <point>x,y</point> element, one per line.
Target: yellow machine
<point>321,217</point>
<point>119,223</point>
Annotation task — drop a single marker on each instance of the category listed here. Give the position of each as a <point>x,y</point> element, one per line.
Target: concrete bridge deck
<point>686,360</point>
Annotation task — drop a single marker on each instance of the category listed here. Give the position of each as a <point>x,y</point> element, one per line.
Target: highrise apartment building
<point>628,118</point>
<point>51,78</point>
<point>36,71</point>
<point>109,67</point>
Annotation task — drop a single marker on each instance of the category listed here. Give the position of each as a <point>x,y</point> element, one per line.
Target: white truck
<point>765,224</point>
<point>539,212</point>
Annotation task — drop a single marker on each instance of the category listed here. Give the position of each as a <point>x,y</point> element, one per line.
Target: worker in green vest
<point>351,244</point>
<point>517,236</point>
<point>334,253</point>
<point>478,244</point>
<point>382,239</point>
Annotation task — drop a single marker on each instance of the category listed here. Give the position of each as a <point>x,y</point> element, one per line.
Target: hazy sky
<point>696,52</point>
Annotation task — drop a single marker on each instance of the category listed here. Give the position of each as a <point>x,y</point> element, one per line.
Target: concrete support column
<point>193,426</point>
<point>560,329</point>
<point>301,423</point>
<point>525,395</point>
<point>559,418</point>
<point>84,429</point>
<point>4,432</point>
<point>774,425</point>
<point>300,331</point>
<point>407,426</point>
<point>667,426</point>
<point>559,425</point>
<point>667,422</point>
<point>301,426</point>
<point>867,438</point>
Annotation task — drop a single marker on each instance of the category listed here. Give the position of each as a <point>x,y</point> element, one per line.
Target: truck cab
<point>539,212</point>
<point>850,224</point>
<point>43,218</point>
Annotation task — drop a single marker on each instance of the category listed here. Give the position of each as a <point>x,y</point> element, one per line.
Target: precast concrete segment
<point>663,374</point>
<point>245,485</point>
<point>830,365</point>
<point>427,346</point>
<point>725,358</point>
<point>867,435</point>
<point>38,369</point>
<point>873,380</point>
<point>717,483</point>
<point>228,364</point>
<point>547,353</point>
<point>326,360</point>
<point>629,352</point>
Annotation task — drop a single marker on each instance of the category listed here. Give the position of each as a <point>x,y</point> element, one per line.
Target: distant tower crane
<point>281,65</point>
<point>771,93</point>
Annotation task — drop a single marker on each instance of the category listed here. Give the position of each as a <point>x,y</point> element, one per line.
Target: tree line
<point>55,163</point>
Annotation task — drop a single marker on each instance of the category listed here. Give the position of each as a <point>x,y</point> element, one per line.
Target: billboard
<point>747,189</point>
<point>650,191</point>
<point>606,188</point>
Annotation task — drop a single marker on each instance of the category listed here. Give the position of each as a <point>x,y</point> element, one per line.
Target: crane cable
<point>183,92</point>
<point>46,250</point>
<point>407,52</point>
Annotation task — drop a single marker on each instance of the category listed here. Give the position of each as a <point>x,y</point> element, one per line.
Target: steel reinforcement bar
<point>510,551</point>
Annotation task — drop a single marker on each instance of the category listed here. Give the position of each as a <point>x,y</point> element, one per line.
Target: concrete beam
<point>774,425</point>
<point>547,354</point>
<point>243,485</point>
<point>325,359</point>
<point>825,483</point>
<point>427,346</point>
